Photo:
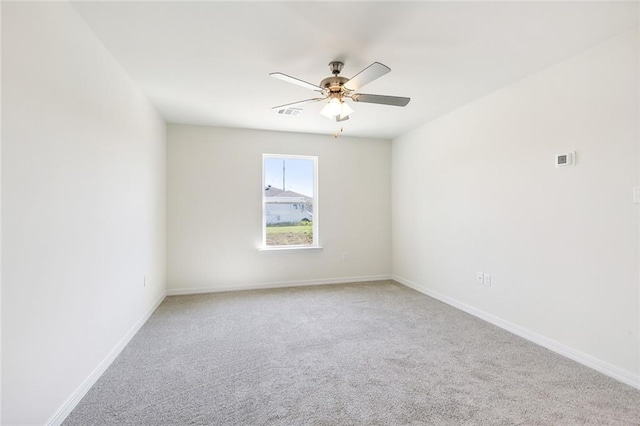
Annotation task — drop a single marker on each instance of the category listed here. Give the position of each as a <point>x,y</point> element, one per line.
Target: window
<point>289,201</point>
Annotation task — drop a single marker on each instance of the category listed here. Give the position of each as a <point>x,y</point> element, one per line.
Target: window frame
<point>316,209</point>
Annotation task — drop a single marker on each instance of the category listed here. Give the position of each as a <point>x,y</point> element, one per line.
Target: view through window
<point>290,213</point>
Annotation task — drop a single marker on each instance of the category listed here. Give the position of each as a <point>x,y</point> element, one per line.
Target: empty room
<point>320,213</point>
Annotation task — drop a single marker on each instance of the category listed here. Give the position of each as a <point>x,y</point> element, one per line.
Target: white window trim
<point>289,248</point>
<point>316,209</point>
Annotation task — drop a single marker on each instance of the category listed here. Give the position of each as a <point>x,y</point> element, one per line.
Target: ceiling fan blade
<point>367,75</point>
<point>298,103</point>
<point>294,80</point>
<point>380,99</point>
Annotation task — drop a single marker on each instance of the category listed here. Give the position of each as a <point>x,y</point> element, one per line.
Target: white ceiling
<point>207,63</point>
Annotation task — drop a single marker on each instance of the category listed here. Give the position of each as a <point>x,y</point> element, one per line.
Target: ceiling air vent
<point>288,111</point>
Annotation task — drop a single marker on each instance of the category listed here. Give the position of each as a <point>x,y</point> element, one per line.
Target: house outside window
<point>289,201</point>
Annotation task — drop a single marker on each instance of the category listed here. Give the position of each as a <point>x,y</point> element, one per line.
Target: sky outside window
<point>298,175</point>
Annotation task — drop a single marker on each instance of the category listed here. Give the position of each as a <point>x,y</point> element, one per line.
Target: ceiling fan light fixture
<point>345,110</point>
<point>332,108</point>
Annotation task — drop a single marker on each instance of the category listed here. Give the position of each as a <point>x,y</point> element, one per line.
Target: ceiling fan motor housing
<point>333,84</point>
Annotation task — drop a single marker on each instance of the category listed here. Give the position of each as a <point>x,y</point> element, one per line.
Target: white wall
<point>477,190</point>
<point>83,201</point>
<point>1,223</point>
<point>214,247</point>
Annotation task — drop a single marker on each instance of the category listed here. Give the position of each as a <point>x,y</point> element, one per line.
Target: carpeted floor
<point>356,354</point>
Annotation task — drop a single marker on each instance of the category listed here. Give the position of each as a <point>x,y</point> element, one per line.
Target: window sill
<point>290,248</point>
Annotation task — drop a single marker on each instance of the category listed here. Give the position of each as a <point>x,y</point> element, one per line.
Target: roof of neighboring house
<point>272,191</point>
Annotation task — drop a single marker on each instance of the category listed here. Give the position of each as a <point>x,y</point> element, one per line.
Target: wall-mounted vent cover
<point>566,160</point>
<point>289,111</point>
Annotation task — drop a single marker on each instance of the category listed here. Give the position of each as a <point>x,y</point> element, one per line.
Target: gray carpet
<point>356,354</point>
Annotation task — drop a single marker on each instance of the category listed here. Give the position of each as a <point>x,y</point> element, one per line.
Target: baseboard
<point>75,398</point>
<point>561,349</point>
<point>276,284</point>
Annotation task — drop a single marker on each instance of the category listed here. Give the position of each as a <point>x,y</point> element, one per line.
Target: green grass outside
<point>289,235</point>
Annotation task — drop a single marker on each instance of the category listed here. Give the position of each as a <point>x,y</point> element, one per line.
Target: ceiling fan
<point>336,89</point>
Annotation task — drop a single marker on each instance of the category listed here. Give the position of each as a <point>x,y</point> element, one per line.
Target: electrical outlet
<point>345,255</point>
<point>480,278</point>
<point>487,280</point>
